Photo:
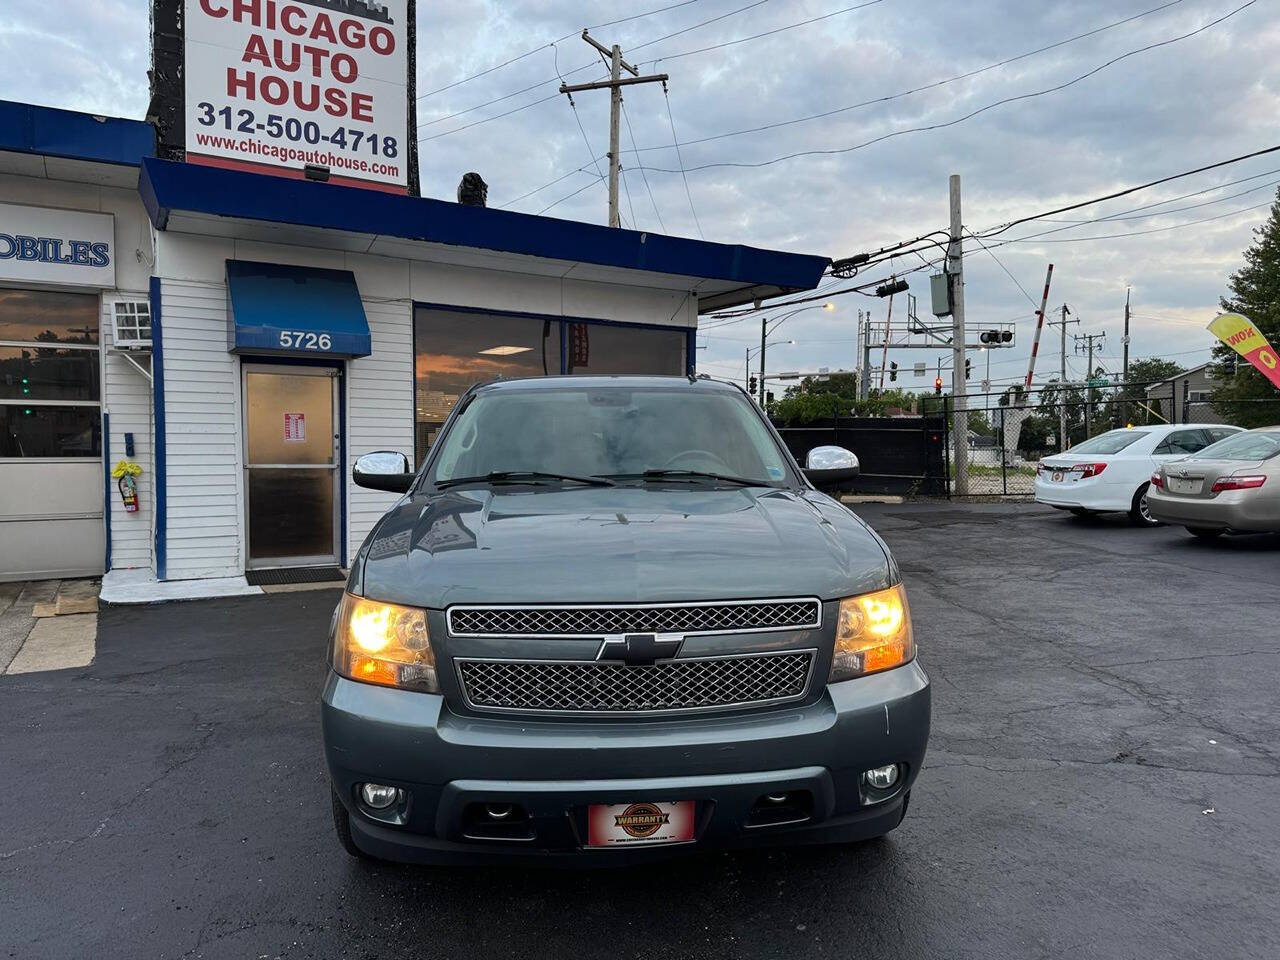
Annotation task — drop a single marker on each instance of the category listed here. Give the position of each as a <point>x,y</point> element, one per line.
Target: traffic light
<point>893,373</point>
<point>968,367</point>
<point>889,289</point>
<point>937,387</point>
<point>996,336</point>
<point>768,397</point>
<point>754,383</point>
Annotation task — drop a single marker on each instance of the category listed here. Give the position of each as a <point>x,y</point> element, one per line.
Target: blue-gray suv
<point>611,618</point>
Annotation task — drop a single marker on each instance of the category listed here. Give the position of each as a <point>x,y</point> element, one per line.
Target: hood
<point>618,545</point>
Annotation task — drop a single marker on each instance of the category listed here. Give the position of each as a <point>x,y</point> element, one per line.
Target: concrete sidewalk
<point>47,625</point>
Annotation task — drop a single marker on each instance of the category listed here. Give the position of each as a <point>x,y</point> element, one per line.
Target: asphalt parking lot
<point>1103,781</point>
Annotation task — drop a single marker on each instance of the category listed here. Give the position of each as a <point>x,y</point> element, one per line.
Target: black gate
<point>898,455</point>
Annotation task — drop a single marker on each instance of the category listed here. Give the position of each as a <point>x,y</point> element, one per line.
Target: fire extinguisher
<point>126,474</point>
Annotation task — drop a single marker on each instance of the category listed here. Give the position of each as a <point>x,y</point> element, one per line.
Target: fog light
<point>379,796</point>
<point>882,778</point>
<point>498,811</point>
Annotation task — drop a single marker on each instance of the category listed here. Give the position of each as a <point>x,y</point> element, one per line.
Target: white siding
<point>126,395</point>
<point>379,409</point>
<point>202,429</point>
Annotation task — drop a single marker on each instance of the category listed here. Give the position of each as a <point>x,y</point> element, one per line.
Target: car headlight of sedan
<point>384,643</point>
<point>873,633</point>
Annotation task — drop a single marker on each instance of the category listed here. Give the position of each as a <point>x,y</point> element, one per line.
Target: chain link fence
<point>1009,433</point>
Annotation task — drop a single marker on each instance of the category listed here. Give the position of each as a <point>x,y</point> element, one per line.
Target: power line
<point>571,195</point>
<point>905,93</point>
<point>570,73</point>
<point>968,116</point>
<point>679,159</point>
<point>1020,287</point>
<point>1119,216</point>
<point>996,231</point>
<point>921,89</point>
<point>643,175</point>
<point>1137,233</point>
<point>770,33</point>
<point>568,36</point>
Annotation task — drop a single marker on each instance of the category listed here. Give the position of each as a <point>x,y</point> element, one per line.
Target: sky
<point>1153,113</point>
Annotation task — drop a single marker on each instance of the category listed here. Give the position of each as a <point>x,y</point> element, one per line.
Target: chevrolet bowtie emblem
<point>640,649</point>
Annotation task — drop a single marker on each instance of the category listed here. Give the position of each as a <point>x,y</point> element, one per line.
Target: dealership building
<point>241,337</point>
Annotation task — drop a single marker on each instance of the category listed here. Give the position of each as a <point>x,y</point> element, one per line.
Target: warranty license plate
<point>637,824</point>
<point>1178,485</point>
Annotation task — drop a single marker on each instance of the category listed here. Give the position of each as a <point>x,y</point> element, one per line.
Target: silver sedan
<point>1231,485</point>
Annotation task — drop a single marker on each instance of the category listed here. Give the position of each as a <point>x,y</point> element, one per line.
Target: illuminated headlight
<point>384,643</point>
<point>873,633</point>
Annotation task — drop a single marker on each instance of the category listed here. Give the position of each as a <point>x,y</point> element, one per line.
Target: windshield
<point>1243,446</point>
<point>1112,442</point>
<point>611,431</point>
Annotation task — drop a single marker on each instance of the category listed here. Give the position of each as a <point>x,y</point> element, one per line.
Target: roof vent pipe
<point>473,191</point>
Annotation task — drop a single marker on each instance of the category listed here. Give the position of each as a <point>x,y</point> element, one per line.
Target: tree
<point>1134,407</point>
<point>1246,397</point>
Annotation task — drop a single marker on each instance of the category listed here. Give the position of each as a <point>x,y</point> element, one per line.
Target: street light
<point>752,351</point>
<point>765,330</point>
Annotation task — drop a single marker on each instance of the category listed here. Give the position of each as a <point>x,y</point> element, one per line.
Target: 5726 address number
<point>300,340</point>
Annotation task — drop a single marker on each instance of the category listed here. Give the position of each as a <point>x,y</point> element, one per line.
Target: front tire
<point>342,827</point>
<point>1206,533</point>
<point>1139,512</point>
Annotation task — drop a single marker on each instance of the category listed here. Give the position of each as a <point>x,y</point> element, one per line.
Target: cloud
<point>1173,108</point>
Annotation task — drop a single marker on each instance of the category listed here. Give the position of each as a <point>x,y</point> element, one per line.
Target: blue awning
<point>303,311</point>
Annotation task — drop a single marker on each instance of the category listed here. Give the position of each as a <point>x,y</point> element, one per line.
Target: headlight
<point>384,643</point>
<point>873,633</point>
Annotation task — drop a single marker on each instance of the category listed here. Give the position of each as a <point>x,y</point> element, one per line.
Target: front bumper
<point>554,769</point>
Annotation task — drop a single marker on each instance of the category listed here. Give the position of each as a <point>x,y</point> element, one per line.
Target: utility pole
<point>763,333</point>
<point>1124,405</point>
<point>955,271</point>
<point>746,372</point>
<point>1088,338</point>
<point>864,382</point>
<point>1062,380</point>
<point>613,57</point>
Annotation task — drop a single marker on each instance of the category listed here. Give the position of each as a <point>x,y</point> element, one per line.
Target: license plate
<point>636,824</point>
<point>1177,485</point>
<point>1057,476</point>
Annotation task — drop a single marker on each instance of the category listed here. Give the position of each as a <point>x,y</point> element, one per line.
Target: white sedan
<point>1111,472</point>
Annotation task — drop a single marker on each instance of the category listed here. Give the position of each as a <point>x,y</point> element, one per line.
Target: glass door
<point>291,465</point>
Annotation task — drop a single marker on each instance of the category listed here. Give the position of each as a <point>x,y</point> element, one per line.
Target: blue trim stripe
<point>46,131</point>
<point>168,187</point>
<point>159,448</point>
<point>106,485</point>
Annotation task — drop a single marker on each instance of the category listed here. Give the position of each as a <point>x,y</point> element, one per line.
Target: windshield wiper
<point>523,476</point>
<point>690,476</point>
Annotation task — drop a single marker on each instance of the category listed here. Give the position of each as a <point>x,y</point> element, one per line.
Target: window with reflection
<point>598,348</point>
<point>454,349</point>
<point>49,354</point>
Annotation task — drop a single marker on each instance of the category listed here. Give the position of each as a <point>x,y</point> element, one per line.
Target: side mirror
<point>827,467</point>
<point>383,470</point>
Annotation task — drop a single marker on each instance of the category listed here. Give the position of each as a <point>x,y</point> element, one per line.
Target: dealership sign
<point>280,86</point>
<point>39,245</point>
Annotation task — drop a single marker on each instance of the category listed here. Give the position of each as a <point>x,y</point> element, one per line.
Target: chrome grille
<point>602,687</point>
<point>597,621</point>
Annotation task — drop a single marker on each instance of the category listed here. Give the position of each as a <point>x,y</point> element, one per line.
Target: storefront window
<point>37,316</point>
<point>48,373</point>
<point>596,348</point>
<point>454,349</point>
<point>34,431</point>
<point>49,355</point>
